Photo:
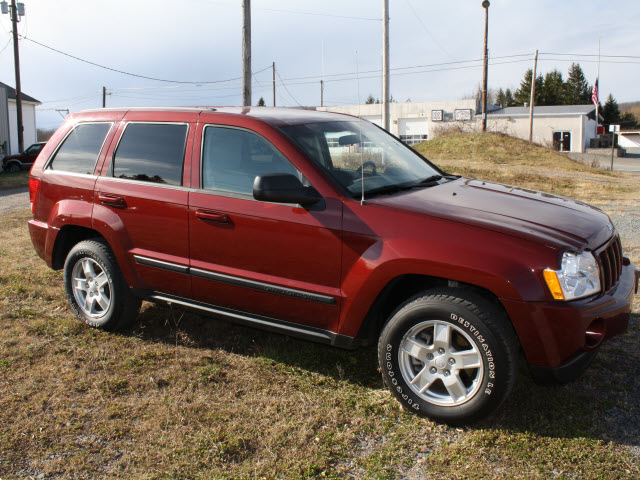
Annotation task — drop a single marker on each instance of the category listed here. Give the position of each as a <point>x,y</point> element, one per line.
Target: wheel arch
<point>403,287</point>
<point>66,239</point>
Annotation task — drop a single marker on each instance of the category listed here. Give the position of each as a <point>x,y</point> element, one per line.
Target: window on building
<point>413,139</point>
<point>81,149</point>
<point>151,152</point>
<point>233,158</point>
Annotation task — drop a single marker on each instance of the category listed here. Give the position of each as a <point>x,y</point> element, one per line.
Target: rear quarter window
<point>80,150</point>
<point>151,152</point>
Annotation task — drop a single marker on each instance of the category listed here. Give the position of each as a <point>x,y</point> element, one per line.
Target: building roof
<point>552,110</point>
<point>11,94</point>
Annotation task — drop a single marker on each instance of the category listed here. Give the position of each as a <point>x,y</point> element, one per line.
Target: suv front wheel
<point>95,287</point>
<point>449,354</point>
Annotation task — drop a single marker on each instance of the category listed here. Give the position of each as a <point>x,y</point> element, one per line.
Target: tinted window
<point>80,150</point>
<point>152,152</point>
<point>232,159</point>
<point>34,149</point>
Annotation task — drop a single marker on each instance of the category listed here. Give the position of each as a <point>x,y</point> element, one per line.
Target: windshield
<point>345,149</point>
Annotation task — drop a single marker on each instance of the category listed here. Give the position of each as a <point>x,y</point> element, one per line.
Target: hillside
<point>505,159</point>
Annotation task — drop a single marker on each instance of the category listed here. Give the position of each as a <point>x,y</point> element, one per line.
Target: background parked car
<point>24,160</point>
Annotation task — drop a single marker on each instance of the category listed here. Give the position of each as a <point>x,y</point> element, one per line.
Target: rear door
<point>142,195</point>
<point>276,260</point>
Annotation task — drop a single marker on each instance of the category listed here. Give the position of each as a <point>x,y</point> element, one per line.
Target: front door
<point>275,260</point>
<point>562,141</point>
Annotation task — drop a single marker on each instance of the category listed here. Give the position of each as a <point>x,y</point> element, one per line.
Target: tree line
<point>553,89</point>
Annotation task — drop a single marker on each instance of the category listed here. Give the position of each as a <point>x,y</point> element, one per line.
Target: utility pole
<point>597,89</point>
<point>485,74</point>
<point>104,97</point>
<point>274,83</point>
<point>533,95</point>
<point>322,93</point>
<point>385,65</point>
<point>246,53</point>
<point>14,12</point>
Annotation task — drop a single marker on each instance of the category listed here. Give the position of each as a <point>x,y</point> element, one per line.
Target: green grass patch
<point>11,180</point>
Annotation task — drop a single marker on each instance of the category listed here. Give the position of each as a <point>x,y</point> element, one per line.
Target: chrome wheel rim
<point>91,287</point>
<point>441,363</point>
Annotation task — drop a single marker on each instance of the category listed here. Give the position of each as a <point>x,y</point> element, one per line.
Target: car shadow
<point>599,405</point>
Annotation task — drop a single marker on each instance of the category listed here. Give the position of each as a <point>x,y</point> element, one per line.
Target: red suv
<point>325,227</point>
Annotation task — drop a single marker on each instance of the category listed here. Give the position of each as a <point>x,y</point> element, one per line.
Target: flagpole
<point>598,85</point>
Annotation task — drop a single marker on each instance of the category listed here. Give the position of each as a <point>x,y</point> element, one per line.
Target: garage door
<point>413,130</point>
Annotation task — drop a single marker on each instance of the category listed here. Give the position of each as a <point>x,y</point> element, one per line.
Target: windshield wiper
<point>431,179</point>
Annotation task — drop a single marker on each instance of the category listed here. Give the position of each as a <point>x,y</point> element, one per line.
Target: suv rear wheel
<point>449,354</point>
<point>95,287</point>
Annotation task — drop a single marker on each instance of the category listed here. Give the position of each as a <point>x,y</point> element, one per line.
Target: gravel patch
<point>15,199</point>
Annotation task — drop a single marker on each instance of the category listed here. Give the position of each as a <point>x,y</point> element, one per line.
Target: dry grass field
<point>184,396</point>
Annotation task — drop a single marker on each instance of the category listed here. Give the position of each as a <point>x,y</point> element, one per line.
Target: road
<point>630,163</point>
<point>14,199</point>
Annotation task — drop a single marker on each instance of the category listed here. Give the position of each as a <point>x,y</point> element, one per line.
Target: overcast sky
<point>200,41</point>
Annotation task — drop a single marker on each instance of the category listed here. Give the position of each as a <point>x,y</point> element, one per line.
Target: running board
<point>257,321</point>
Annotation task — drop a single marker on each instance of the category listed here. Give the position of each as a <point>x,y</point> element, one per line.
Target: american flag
<point>594,93</point>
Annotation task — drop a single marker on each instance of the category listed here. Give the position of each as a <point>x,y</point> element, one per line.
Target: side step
<point>257,321</point>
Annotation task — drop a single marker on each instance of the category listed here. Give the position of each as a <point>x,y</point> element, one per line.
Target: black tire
<point>13,167</point>
<point>119,307</point>
<point>479,334</point>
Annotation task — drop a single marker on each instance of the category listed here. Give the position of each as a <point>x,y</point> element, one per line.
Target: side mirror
<point>283,188</point>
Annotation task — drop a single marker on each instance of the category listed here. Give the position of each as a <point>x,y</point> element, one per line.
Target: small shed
<point>567,128</point>
<point>9,120</point>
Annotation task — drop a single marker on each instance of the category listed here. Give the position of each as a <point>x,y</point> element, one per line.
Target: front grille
<point>610,257</point>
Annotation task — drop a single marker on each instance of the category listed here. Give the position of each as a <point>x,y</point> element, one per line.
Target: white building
<point>413,122</point>
<point>629,140</point>
<point>9,120</point>
<point>564,127</point>
<point>567,128</point>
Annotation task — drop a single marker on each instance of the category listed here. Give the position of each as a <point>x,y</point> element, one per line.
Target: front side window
<point>81,149</point>
<point>151,152</point>
<point>233,158</point>
<point>362,157</point>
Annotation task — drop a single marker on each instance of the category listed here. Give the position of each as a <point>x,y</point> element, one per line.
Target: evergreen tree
<point>523,94</point>
<point>553,90</point>
<point>578,90</point>
<point>501,98</point>
<point>370,100</point>
<point>261,102</point>
<point>509,100</point>
<point>611,111</point>
<point>628,121</point>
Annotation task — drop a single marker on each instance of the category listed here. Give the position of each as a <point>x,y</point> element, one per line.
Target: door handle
<point>212,216</point>
<point>112,201</point>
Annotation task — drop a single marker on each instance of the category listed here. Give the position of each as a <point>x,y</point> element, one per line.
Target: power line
<point>424,26</point>
<point>285,87</point>
<point>4,48</point>
<point>129,73</point>
<point>300,12</point>
<point>589,55</point>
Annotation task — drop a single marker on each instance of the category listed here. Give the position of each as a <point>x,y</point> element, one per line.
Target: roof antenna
<point>360,129</point>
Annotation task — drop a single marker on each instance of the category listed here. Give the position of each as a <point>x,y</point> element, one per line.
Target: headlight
<point>579,276</point>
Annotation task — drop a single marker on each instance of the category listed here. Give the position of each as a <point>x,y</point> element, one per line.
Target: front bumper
<point>559,339</point>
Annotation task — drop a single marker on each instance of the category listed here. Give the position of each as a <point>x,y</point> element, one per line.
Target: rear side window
<point>151,152</point>
<point>232,158</point>
<point>80,150</point>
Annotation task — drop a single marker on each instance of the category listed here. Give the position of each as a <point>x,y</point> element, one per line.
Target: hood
<point>541,217</point>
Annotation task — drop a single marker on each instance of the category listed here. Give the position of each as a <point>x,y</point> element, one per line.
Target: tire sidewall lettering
<point>484,347</point>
